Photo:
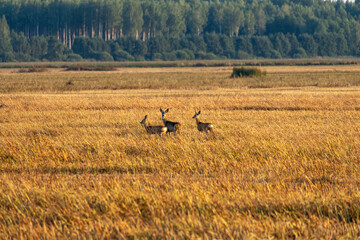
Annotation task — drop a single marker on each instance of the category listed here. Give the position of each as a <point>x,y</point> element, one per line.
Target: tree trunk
<point>144,36</point>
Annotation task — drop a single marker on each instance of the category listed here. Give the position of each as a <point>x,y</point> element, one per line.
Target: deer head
<point>144,120</point>
<point>196,114</point>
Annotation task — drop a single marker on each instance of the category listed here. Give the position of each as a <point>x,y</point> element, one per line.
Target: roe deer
<point>171,126</point>
<point>201,126</point>
<point>153,129</point>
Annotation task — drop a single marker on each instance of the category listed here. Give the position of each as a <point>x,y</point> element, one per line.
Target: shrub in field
<point>33,69</point>
<point>247,72</point>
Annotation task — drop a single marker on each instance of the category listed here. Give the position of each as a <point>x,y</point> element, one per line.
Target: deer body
<point>153,129</point>
<point>201,126</point>
<point>171,126</point>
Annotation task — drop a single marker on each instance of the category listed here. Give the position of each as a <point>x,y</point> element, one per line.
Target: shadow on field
<point>342,211</point>
<point>80,170</point>
<point>263,108</point>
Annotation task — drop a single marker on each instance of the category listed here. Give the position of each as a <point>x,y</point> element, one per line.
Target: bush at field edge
<point>247,72</point>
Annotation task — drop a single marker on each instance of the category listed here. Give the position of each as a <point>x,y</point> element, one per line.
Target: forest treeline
<point>126,30</point>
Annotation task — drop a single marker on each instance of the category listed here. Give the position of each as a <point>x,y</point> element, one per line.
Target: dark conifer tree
<point>6,50</point>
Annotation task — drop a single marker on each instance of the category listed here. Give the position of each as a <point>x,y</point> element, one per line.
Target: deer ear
<point>161,110</point>
<point>166,110</point>
<point>199,112</point>
<point>145,116</point>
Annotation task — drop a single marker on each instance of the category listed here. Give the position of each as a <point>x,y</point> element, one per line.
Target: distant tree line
<point>127,30</point>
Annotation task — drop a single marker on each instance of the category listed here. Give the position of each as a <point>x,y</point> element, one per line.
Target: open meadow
<point>283,162</point>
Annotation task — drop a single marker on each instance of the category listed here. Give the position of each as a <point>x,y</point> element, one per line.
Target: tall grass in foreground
<point>282,164</point>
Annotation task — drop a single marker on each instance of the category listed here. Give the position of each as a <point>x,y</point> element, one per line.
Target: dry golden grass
<point>60,80</point>
<point>283,162</point>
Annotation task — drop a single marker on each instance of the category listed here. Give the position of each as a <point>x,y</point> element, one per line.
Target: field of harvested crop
<point>283,162</point>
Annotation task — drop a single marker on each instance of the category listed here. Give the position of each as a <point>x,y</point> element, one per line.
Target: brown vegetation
<point>32,69</point>
<point>55,80</point>
<point>195,63</point>
<point>282,163</point>
<point>87,67</point>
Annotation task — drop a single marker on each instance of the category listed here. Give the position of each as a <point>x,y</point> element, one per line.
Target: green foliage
<point>55,50</point>
<point>300,53</point>
<point>81,47</point>
<point>121,55</point>
<point>262,46</point>
<point>171,30</point>
<point>242,55</point>
<point>205,56</point>
<point>195,21</point>
<point>171,56</point>
<point>156,56</point>
<point>231,21</point>
<point>175,23</point>
<point>213,44</point>
<point>214,23</point>
<point>282,44</point>
<point>7,57</point>
<point>6,51</point>
<point>132,18</point>
<point>309,44</point>
<point>190,54</point>
<point>73,57</point>
<point>21,46</point>
<point>182,55</point>
<point>139,48</point>
<point>244,44</point>
<point>39,47</point>
<point>275,54</point>
<point>102,56</point>
<point>247,72</point>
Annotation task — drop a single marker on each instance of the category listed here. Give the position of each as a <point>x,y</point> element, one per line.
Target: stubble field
<point>283,161</point>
